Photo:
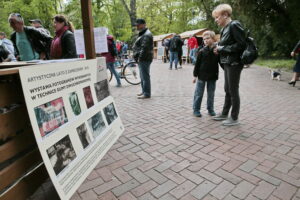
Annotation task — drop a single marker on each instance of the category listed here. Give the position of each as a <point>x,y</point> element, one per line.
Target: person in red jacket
<point>110,58</point>
<point>193,45</point>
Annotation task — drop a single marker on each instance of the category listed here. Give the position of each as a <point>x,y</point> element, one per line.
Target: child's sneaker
<point>212,113</point>
<point>197,114</point>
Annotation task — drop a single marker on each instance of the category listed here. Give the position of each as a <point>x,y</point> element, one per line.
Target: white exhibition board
<point>100,34</point>
<point>74,118</point>
<point>160,50</point>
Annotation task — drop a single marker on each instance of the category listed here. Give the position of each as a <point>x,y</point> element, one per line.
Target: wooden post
<point>88,28</point>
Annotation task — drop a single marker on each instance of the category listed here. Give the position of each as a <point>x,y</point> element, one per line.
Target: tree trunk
<point>132,14</point>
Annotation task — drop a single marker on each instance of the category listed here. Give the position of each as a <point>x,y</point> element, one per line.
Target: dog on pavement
<point>275,74</point>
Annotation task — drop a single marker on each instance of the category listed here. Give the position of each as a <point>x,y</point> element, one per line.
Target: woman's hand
<point>194,80</point>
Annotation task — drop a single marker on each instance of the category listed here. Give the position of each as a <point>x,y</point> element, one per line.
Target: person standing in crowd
<point>193,45</point>
<point>29,43</point>
<point>7,43</point>
<point>180,52</point>
<point>206,72</point>
<point>124,48</point>
<point>63,44</point>
<point>37,23</point>
<point>143,54</point>
<point>166,44</point>
<point>230,48</point>
<point>175,46</point>
<point>119,48</point>
<point>110,58</point>
<point>5,54</point>
<point>296,69</point>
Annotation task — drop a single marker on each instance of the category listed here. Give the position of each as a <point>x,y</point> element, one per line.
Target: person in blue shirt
<point>29,43</point>
<point>7,43</point>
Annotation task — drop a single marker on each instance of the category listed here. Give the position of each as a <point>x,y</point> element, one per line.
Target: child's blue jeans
<point>200,87</point>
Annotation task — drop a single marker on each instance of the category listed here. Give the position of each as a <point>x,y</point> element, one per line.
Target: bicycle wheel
<point>109,75</point>
<point>131,73</point>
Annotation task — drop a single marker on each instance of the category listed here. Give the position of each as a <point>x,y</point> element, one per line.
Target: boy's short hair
<point>221,9</point>
<point>209,33</point>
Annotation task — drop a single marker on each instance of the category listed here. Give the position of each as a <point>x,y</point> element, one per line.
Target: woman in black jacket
<point>63,44</point>
<point>230,48</point>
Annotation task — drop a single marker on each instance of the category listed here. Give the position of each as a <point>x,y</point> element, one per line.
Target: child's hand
<point>194,80</point>
<point>293,54</point>
<point>216,51</point>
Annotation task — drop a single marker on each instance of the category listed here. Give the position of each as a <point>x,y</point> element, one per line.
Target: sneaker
<point>212,113</point>
<point>197,114</point>
<point>220,117</point>
<point>230,122</point>
<point>139,94</point>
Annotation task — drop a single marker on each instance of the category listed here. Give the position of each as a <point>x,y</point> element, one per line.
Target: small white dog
<point>275,74</point>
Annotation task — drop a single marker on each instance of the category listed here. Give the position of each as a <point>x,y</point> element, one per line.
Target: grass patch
<point>285,64</point>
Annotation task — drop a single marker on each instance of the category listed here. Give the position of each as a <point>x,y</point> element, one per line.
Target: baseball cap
<point>140,21</point>
<point>35,20</point>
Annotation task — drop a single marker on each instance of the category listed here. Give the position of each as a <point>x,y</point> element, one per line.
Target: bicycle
<point>130,71</point>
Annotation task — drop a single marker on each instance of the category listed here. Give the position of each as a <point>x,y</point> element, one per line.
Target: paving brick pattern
<point>167,153</point>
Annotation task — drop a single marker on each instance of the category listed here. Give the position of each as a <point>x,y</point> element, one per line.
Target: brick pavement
<point>167,153</point>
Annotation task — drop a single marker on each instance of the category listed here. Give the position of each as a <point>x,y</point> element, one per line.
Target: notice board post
<point>88,28</point>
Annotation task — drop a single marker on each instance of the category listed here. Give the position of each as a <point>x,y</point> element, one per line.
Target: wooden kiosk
<point>21,167</point>
<point>185,36</point>
<point>159,50</point>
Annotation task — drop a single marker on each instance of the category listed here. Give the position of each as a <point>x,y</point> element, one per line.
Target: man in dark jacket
<point>29,43</point>
<point>143,54</point>
<point>37,23</point>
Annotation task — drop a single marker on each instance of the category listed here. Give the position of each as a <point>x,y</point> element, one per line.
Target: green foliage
<point>286,64</point>
<point>274,24</point>
<point>29,9</point>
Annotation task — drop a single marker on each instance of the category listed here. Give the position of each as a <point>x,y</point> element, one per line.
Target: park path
<point>166,153</point>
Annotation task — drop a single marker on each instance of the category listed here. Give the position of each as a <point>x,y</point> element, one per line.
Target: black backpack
<point>250,54</point>
<point>173,44</point>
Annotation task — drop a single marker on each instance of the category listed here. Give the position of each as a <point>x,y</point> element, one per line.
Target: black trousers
<point>180,57</point>
<point>232,76</point>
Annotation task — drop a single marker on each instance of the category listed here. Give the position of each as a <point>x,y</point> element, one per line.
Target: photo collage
<point>52,115</point>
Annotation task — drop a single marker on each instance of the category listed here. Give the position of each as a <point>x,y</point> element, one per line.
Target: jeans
<point>144,67</point>
<point>173,57</point>
<point>193,55</point>
<point>232,76</point>
<point>111,67</point>
<point>200,87</point>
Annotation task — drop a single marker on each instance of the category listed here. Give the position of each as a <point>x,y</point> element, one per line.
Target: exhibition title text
<point>58,85</point>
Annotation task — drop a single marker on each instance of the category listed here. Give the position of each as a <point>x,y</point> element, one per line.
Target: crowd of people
<point>173,49</point>
<point>34,42</point>
<point>207,57</point>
